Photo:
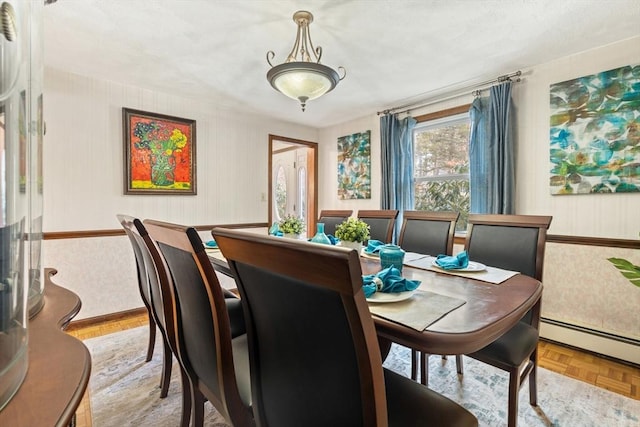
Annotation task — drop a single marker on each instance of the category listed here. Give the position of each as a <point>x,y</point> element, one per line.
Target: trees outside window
<point>441,166</point>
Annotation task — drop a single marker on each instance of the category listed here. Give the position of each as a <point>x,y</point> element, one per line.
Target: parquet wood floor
<point>599,371</point>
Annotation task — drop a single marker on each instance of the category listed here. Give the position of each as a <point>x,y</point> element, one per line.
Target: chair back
<point>512,242</point>
<point>202,324</point>
<point>155,281</point>
<point>313,348</point>
<point>429,233</point>
<point>332,218</point>
<point>381,223</point>
<point>127,223</point>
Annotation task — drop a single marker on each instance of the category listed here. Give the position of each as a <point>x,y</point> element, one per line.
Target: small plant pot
<point>351,245</point>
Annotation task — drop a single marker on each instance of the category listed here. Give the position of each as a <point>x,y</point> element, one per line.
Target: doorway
<point>293,177</point>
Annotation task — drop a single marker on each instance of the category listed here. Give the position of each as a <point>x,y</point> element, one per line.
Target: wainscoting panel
<point>101,270</point>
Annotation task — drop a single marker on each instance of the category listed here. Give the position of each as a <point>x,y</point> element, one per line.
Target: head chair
<point>312,344</point>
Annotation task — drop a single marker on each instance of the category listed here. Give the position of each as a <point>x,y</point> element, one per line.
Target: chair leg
<point>533,383</point>
<point>459,365</point>
<point>166,369</point>
<point>514,388</point>
<point>186,399</point>
<point>197,407</point>
<point>152,336</point>
<point>414,364</point>
<point>424,368</point>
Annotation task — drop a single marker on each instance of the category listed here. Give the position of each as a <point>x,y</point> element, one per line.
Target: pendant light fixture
<point>302,76</point>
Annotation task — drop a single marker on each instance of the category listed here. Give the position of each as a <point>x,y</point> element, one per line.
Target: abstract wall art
<point>160,153</point>
<point>354,166</point>
<point>595,133</point>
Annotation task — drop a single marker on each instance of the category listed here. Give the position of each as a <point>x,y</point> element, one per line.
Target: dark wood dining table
<point>489,310</point>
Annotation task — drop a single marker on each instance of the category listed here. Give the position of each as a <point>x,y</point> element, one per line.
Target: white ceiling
<point>393,51</point>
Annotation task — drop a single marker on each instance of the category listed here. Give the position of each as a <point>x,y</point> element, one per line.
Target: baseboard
<point>613,346</point>
<point>92,321</point>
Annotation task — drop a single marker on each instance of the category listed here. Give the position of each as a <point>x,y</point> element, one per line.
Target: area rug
<point>125,390</point>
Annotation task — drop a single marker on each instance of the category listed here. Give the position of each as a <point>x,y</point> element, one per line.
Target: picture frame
<point>159,153</point>
<point>354,166</point>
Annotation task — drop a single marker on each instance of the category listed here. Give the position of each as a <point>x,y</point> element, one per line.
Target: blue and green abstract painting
<point>354,166</point>
<point>595,133</point>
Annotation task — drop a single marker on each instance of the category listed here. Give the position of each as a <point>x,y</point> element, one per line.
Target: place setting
<point>461,265</point>
<point>396,298</point>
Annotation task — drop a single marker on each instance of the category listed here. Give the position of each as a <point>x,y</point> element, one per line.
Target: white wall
<point>83,176</point>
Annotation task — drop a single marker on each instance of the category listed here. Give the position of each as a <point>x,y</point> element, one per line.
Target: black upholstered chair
<point>159,286</point>
<point>511,242</point>
<point>313,348</point>
<point>332,218</point>
<point>429,233</point>
<point>211,351</point>
<point>145,294</point>
<point>381,223</point>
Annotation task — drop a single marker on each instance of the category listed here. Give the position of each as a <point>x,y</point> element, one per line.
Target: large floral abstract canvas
<point>595,133</point>
<point>354,166</point>
<point>159,153</point>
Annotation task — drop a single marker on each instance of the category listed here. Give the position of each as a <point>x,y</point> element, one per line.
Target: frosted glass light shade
<point>303,81</point>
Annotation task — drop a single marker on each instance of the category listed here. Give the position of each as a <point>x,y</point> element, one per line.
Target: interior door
<point>293,175</point>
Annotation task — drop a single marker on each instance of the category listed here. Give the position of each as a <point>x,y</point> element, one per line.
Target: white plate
<point>471,268</point>
<point>380,297</point>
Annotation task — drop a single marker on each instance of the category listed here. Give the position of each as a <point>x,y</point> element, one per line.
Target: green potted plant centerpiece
<point>291,226</point>
<point>352,233</point>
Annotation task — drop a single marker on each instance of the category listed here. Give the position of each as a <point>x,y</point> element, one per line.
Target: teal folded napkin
<point>275,230</point>
<point>374,246</point>
<point>387,280</point>
<point>211,244</point>
<point>455,262</point>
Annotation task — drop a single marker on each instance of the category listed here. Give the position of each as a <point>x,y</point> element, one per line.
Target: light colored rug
<point>124,390</point>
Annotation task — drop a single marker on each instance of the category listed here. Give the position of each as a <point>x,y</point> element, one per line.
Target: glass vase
<point>320,237</point>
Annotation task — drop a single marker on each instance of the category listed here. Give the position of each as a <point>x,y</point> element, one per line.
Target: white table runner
<point>491,274</point>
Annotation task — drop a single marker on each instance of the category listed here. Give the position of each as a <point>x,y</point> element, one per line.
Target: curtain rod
<point>473,89</point>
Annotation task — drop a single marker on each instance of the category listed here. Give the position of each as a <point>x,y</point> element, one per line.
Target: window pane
<point>441,166</point>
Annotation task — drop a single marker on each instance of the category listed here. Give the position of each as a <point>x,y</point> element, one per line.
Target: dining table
<point>470,311</point>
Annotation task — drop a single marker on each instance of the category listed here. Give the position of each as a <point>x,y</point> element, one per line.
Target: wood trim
<point>79,234</point>
<point>443,113</point>
<point>458,240</point>
<point>576,240</point>
<point>594,241</point>
<point>111,317</point>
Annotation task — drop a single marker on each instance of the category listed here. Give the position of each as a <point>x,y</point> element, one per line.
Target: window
<point>441,163</point>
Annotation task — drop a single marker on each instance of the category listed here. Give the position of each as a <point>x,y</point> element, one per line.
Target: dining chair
<point>313,349</point>
<point>381,223</point>
<point>126,222</point>
<point>428,233</point>
<point>207,324</point>
<point>332,218</point>
<point>511,242</point>
<point>151,263</point>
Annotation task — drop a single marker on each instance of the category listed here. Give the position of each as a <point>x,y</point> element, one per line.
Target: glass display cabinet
<point>21,185</point>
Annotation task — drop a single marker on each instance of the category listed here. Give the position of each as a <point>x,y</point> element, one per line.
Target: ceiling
<point>394,52</point>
